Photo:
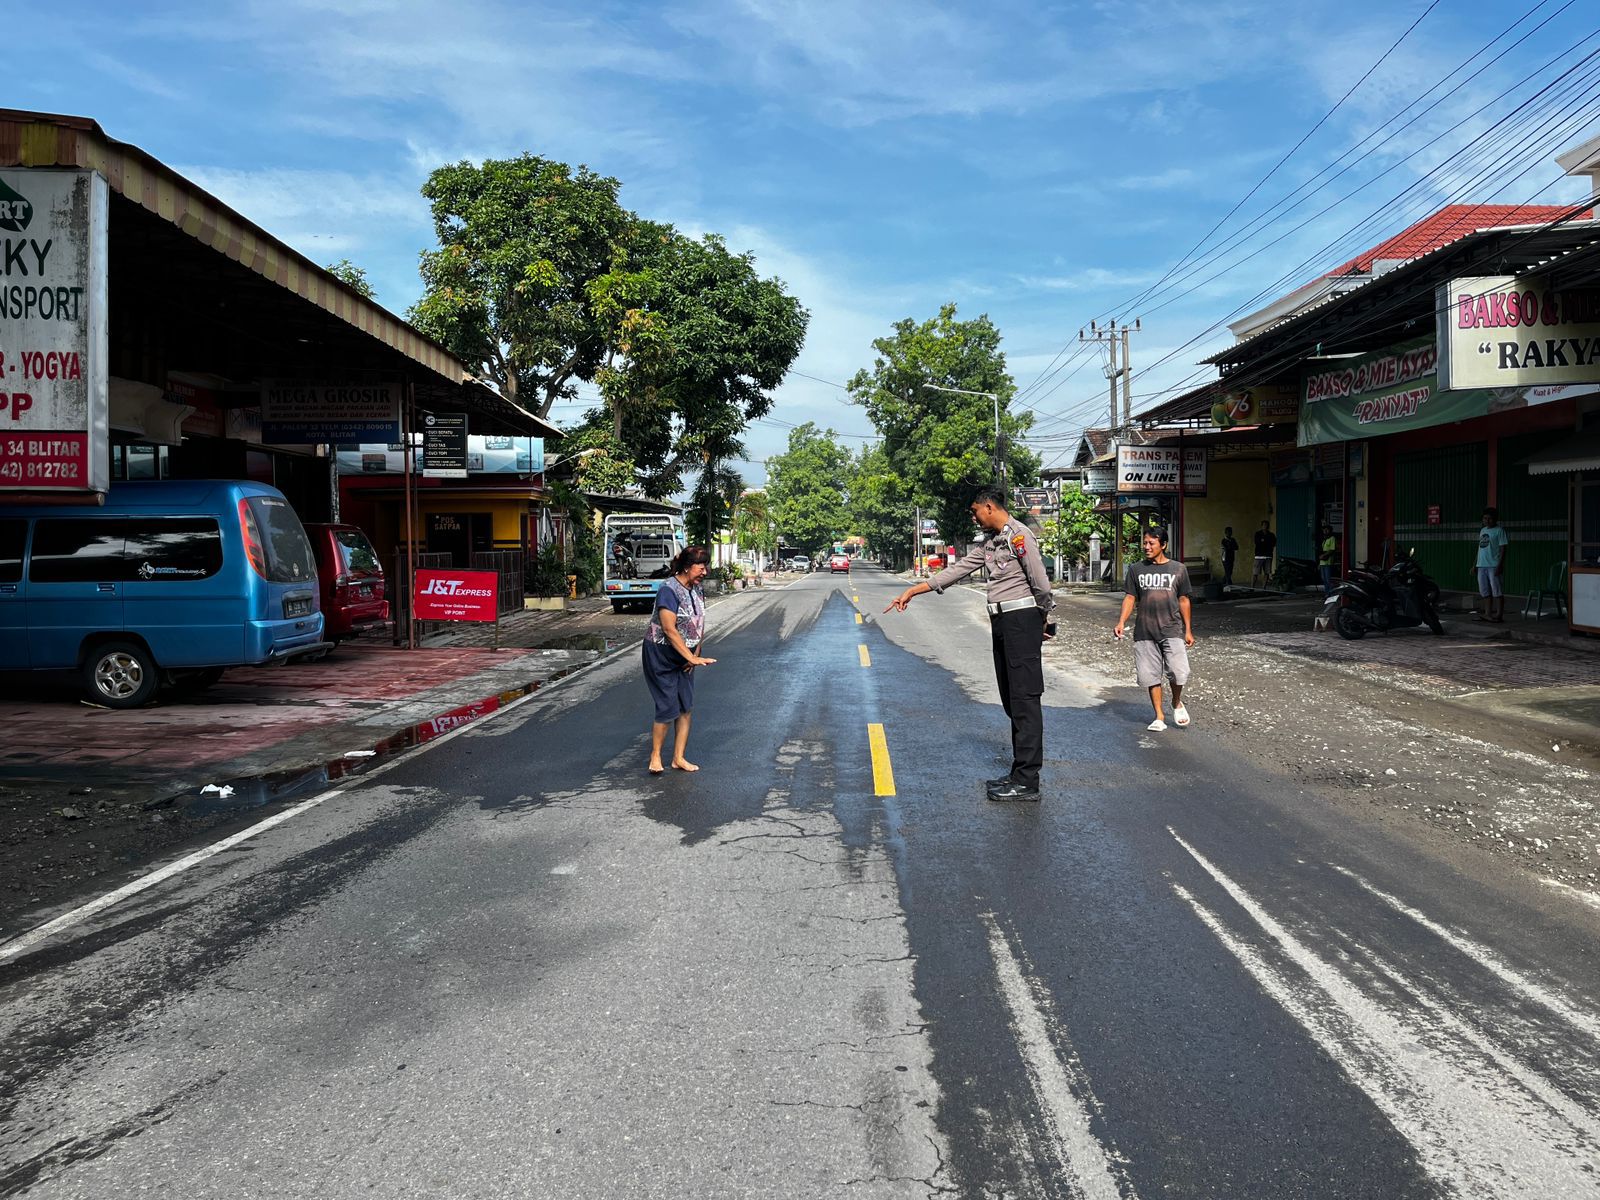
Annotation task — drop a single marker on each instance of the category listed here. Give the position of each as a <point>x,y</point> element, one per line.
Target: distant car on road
<point>935,562</point>
<point>839,562</point>
<point>799,563</point>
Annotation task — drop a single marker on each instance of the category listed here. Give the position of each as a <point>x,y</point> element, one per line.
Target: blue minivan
<point>168,582</point>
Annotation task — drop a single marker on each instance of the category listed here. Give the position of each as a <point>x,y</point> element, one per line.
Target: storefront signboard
<point>444,446</point>
<point>1100,479</point>
<point>1497,331</point>
<point>1266,404</point>
<point>1143,470</point>
<point>485,456</point>
<point>54,422</point>
<point>301,414</point>
<point>1398,389</point>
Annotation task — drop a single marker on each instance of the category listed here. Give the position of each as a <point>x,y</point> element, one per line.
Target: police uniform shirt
<point>1015,569</point>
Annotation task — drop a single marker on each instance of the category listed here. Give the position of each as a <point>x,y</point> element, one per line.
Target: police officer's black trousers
<point>1018,639</point>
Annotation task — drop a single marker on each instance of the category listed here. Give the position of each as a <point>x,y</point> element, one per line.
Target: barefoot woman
<point>672,652</point>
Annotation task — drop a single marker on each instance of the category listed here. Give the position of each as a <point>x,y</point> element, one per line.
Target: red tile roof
<point>1449,223</point>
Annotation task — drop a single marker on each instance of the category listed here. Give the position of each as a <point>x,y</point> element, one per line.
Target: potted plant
<point>544,583</point>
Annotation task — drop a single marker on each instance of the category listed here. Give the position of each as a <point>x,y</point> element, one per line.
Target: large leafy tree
<point>1068,532</point>
<point>512,288</point>
<point>942,443</point>
<point>882,508</point>
<point>754,525</point>
<point>807,487</point>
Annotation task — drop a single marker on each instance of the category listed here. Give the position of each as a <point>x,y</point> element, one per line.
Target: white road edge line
<point>1487,959</point>
<point>1086,1161</point>
<point>1475,1130</point>
<point>23,942</point>
<point>1583,897</point>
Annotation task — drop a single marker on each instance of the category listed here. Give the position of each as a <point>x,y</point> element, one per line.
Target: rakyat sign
<point>1151,470</point>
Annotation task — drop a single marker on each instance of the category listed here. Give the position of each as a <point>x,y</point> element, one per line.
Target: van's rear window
<point>284,539</point>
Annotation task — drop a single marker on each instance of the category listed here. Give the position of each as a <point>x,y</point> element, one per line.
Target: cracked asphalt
<point>516,965</point>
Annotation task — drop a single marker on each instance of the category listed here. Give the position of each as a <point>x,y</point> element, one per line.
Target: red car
<point>839,562</point>
<point>351,580</point>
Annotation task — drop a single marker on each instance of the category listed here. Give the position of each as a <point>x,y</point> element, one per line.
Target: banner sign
<point>1267,404</point>
<point>1156,469</point>
<point>1398,389</point>
<point>1100,479</point>
<point>1035,497</point>
<point>54,421</point>
<point>444,446</point>
<point>485,456</point>
<point>1500,332</point>
<point>300,414</point>
<point>457,595</point>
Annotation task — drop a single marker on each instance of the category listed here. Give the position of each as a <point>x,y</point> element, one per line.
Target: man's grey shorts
<point>1152,660</point>
<point>1489,582</point>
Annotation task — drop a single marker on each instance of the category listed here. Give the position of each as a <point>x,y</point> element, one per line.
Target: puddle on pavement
<point>220,797</point>
<point>598,642</point>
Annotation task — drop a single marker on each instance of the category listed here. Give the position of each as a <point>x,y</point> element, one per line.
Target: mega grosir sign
<point>329,413</point>
<point>1500,332</point>
<point>457,595</point>
<point>1157,469</point>
<point>53,376</point>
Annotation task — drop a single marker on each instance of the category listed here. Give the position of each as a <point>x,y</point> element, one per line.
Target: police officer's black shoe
<point>991,784</point>
<point>1013,790</point>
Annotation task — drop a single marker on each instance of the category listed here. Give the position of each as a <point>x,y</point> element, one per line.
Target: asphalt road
<point>517,965</point>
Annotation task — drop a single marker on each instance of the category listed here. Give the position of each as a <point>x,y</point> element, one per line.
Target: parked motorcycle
<point>1373,600</point>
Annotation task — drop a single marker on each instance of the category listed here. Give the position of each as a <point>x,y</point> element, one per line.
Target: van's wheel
<point>1348,624</point>
<point>120,675</point>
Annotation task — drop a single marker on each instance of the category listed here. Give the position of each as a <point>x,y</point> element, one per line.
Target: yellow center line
<point>866,659</point>
<point>882,772</point>
<point>858,618</point>
<point>855,599</point>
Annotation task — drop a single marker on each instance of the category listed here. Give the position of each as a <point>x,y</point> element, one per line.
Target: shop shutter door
<point>1296,527</point>
<point>1456,480</point>
<point>1533,510</point>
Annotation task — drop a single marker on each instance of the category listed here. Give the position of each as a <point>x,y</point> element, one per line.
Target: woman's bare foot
<point>683,764</point>
<point>656,768</point>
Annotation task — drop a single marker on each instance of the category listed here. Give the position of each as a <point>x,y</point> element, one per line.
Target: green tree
<point>1068,532</point>
<point>353,277</point>
<point>807,486</point>
<point>754,525</point>
<point>882,509</point>
<point>598,459</point>
<point>511,288</point>
<point>941,443</point>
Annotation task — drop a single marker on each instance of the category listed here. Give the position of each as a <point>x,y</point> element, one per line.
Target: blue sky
<point>1040,162</point>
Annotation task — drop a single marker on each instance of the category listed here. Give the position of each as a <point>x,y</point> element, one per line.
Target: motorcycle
<point>1378,600</point>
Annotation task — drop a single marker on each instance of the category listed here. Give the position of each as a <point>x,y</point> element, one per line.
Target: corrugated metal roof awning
<point>1580,453</point>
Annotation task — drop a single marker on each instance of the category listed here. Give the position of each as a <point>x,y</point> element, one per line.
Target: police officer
<point>1020,622</point>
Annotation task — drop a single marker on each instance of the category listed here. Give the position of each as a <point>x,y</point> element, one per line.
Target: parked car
<point>800,563</point>
<point>838,562</point>
<point>169,582</point>
<point>350,580</point>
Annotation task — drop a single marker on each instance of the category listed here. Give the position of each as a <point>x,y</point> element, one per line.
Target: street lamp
<point>999,459</point>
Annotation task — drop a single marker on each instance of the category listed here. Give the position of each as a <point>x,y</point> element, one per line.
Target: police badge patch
<point>1020,545</point>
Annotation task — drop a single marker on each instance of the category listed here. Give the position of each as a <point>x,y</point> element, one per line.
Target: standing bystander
<point>1230,553</point>
<point>1164,631</point>
<point>1491,567</point>
<point>1266,544</point>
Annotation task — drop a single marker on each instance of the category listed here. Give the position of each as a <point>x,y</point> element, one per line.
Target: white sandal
<point>1180,715</point>
<point>1157,726</point>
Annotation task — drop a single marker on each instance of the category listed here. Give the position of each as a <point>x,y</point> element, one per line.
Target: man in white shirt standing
<point>1491,567</point>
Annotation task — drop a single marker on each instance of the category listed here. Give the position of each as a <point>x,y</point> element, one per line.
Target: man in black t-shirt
<point>1230,554</point>
<point>1266,543</point>
<point>1164,631</point>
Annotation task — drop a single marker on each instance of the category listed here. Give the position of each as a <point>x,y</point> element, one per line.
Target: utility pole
<point>1127,374</point>
<point>1107,336</point>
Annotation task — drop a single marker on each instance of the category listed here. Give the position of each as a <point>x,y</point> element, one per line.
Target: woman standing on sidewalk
<point>671,653</point>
